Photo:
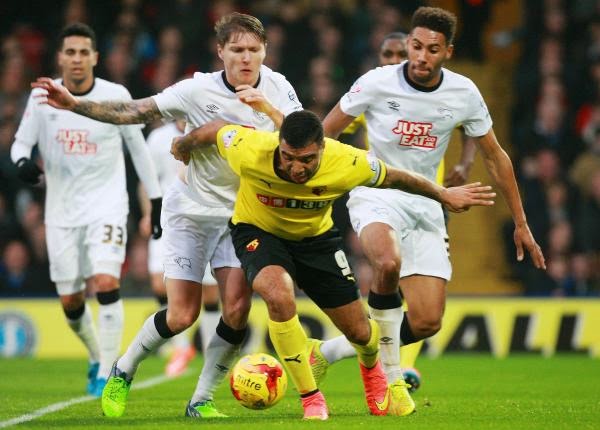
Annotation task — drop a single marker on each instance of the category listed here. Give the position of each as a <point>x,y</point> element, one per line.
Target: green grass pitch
<point>458,392</point>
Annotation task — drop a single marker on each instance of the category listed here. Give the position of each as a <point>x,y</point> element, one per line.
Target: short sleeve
<point>228,143</point>
<point>174,101</point>
<point>360,96</point>
<point>289,100</point>
<point>478,121</point>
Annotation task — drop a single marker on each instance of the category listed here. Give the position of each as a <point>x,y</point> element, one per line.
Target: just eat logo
<point>415,134</point>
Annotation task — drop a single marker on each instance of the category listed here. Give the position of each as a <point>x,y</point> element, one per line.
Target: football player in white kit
<point>411,109</point>
<point>86,197</point>
<point>197,208</point>
<point>393,50</point>
<point>167,168</point>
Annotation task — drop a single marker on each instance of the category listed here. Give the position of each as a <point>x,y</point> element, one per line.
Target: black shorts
<point>317,264</point>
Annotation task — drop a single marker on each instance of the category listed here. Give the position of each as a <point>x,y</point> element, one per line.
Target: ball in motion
<point>258,381</point>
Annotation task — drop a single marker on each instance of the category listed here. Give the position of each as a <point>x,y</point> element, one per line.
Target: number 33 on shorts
<point>113,234</point>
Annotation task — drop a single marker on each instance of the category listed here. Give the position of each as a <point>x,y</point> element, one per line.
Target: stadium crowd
<point>321,47</point>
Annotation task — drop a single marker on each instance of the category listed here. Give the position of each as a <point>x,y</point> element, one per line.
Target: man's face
<point>77,58</point>
<point>427,52</point>
<point>299,164</point>
<point>242,56</point>
<point>393,51</point>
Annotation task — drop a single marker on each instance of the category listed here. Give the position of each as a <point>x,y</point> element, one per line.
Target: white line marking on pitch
<point>146,383</point>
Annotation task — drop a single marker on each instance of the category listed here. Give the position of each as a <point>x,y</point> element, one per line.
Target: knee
<point>235,313</point>
<point>425,327</point>
<point>280,303</point>
<point>105,283</point>
<point>180,318</point>
<point>359,334</point>
<point>387,269</point>
<point>72,302</point>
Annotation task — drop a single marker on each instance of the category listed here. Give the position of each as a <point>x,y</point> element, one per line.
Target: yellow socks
<point>369,353</point>
<point>289,340</point>
<point>409,354</point>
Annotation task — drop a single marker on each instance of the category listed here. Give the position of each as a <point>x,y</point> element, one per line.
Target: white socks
<point>337,349</point>
<point>389,321</point>
<point>84,328</point>
<point>208,326</point>
<point>218,357</point>
<point>145,342</point>
<point>110,332</point>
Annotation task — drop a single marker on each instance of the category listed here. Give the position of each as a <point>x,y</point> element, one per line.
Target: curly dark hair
<point>436,19</point>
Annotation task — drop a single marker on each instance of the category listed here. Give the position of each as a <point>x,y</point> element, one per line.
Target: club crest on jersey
<point>228,138</point>
<point>251,247</point>
<point>415,134</point>
<point>261,116</point>
<point>212,108</point>
<point>75,142</point>
<point>319,190</point>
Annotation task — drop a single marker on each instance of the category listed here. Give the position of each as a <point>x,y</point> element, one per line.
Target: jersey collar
<point>231,87</point>
<point>421,87</point>
<point>85,92</point>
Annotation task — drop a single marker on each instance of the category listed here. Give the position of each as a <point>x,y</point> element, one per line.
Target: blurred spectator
<point>17,277</point>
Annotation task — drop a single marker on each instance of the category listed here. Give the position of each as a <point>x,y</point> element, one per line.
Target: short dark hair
<point>239,23</point>
<point>396,35</point>
<point>301,128</point>
<point>436,19</point>
<point>77,29</point>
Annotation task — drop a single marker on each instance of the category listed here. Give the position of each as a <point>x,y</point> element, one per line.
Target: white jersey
<point>207,97</point>
<point>159,143</point>
<point>410,126</point>
<point>83,159</point>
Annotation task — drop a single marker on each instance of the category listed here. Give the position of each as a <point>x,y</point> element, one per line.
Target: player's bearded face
<point>299,164</point>
<point>427,52</point>
<point>77,58</point>
<point>242,56</point>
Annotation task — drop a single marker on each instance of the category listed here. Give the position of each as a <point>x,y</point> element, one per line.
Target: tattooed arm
<point>115,112</point>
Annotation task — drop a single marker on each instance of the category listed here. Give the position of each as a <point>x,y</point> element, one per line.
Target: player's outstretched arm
<point>459,173</point>
<point>254,98</point>
<point>500,168</point>
<point>336,121</point>
<point>116,112</point>
<point>456,199</point>
<point>181,147</point>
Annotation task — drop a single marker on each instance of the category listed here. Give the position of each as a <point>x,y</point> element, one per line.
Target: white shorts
<point>193,237</point>
<point>78,253</point>
<point>156,261</point>
<point>418,222</point>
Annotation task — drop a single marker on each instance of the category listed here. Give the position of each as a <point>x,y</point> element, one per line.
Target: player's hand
<point>28,171</point>
<point>54,94</point>
<point>524,239</point>
<point>456,176</point>
<point>254,98</point>
<point>460,199</point>
<point>155,217</point>
<point>179,151</point>
<point>145,227</point>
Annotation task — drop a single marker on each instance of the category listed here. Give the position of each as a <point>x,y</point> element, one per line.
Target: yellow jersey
<point>285,209</point>
<point>361,122</point>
